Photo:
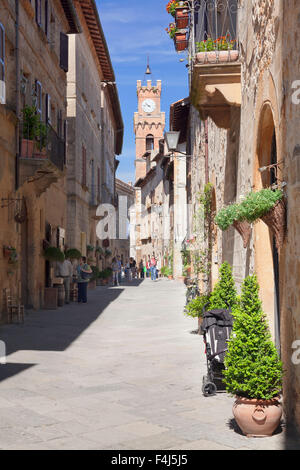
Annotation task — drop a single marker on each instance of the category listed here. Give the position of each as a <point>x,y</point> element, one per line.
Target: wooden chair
<point>13,307</point>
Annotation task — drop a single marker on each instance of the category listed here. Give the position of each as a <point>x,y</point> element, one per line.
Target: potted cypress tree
<point>253,369</point>
<point>224,294</point>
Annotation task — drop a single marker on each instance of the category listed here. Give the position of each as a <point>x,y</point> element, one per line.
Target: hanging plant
<point>52,253</point>
<point>171,7</point>
<point>73,253</point>
<point>90,248</point>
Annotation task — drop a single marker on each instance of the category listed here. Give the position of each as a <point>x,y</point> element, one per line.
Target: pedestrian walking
<point>153,264</point>
<point>115,270</point>
<point>120,269</point>
<point>132,271</point>
<point>84,273</point>
<point>64,270</point>
<point>141,269</point>
<point>148,266</point>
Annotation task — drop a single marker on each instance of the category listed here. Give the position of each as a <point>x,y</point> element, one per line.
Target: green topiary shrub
<point>253,368</point>
<point>224,294</point>
<point>195,307</point>
<point>51,253</point>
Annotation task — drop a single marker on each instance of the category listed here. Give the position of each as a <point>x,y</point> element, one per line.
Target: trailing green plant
<point>73,253</point>
<point>257,204</point>
<point>253,368</point>
<point>253,207</point>
<point>224,294</point>
<point>228,215</point>
<point>164,271</point>
<point>52,253</point>
<point>99,250</point>
<point>195,307</point>
<point>90,248</point>
<point>107,253</point>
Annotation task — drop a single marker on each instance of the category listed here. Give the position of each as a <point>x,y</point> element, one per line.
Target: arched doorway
<point>266,254</point>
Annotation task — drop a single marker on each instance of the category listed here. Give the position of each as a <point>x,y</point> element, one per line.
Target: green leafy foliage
<point>195,307</point>
<point>224,294</point>
<point>228,215</point>
<point>253,368</point>
<point>254,206</point>
<point>73,253</point>
<point>257,204</point>
<point>51,253</point>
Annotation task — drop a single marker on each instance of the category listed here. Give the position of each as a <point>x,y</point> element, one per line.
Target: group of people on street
<point>83,272</point>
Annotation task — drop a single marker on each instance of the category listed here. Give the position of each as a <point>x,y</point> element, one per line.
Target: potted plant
<point>52,253</point>
<point>268,205</point>
<point>171,6</point>
<point>195,308</point>
<point>40,139</point>
<point>29,130</point>
<point>224,294</point>
<point>232,215</point>
<point>94,277</point>
<point>221,49</point>
<point>73,253</point>
<point>253,369</point>
<point>181,15</point>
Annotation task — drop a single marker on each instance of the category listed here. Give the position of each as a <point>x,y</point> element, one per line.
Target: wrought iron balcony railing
<point>42,142</point>
<point>212,30</point>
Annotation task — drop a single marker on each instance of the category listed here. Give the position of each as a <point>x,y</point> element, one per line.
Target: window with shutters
<point>39,98</point>
<point>2,64</point>
<point>48,109</point>
<point>64,52</point>
<point>38,12</point>
<point>47,18</point>
<point>83,182</point>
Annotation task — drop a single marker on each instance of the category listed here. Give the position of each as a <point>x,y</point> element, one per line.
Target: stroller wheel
<point>208,388</point>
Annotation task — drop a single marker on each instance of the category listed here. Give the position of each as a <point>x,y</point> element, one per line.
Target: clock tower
<point>149,123</point>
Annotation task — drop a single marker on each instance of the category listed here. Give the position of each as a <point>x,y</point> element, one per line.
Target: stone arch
<point>267,263</point>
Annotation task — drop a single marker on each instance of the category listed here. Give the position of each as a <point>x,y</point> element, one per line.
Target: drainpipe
<point>17,94</point>
<point>206,153</point>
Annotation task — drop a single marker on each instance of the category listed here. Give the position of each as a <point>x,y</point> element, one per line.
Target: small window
<point>149,142</point>
<point>47,18</point>
<point>38,12</point>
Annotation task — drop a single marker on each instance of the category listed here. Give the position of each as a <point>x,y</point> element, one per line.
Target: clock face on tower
<point>148,106</point>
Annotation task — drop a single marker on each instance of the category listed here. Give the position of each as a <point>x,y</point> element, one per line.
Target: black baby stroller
<point>216,329</point>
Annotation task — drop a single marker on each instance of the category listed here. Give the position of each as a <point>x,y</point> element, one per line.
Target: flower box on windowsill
<point>215,57</point>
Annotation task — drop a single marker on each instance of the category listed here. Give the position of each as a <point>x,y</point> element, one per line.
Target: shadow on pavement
<point>55,330</point>
<point>10,369</point>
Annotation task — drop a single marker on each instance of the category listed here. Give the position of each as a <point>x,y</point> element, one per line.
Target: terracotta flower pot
<point>182,17</point>
<point>180,41</point>
<point>27,147</point>
<point>257,418</point>
<point>214,57</point>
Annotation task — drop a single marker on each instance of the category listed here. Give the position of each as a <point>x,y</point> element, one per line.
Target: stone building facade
<point>95,130</point>
<point>243,124</point>
<point>34,62</point>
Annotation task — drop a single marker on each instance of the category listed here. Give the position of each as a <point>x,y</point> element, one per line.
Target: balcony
<point>42,157</point>
<point>216,70</point>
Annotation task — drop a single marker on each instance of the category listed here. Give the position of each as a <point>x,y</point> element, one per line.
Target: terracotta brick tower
<point>149,123</point>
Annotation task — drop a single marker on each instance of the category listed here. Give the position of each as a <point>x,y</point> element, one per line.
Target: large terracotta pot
<point>257,418</point>
<point>215,57</point>
<point>27,148</point>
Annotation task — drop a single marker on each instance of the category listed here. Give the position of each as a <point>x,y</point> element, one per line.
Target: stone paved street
<point>122,372</point>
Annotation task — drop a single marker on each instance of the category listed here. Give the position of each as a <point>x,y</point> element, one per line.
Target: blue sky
<point>135,29</point>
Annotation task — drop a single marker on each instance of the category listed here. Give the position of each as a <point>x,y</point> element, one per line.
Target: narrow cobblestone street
<point>122,372</point>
